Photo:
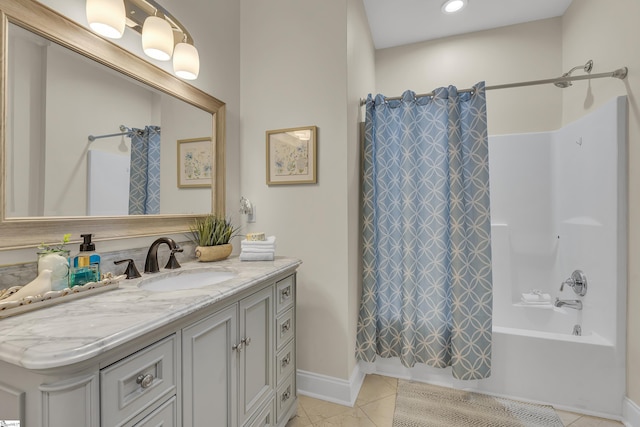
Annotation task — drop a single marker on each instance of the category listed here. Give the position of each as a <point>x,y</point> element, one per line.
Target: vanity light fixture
<point>157,38</point>
<point>453,6</point>
<point>186,61</point>
<point>163,36</point>
<point>106,17</point>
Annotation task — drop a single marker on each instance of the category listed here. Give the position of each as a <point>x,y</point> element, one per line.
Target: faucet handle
<point>131,271</point>
<point>569,282</point>
<point>173,262</point>
<point>577,281</point>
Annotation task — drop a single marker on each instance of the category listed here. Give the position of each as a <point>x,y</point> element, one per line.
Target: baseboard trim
<point>330,389</point>
<point>631,413</point>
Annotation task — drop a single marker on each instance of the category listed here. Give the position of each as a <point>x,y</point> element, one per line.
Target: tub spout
<point>570,303</point>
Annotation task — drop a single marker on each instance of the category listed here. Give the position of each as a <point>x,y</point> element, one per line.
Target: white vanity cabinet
<point>230,363</point>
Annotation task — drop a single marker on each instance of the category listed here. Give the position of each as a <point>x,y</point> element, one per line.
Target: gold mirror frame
<point>30,232</point>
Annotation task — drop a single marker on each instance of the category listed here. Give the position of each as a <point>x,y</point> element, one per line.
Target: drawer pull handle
<point>285,293</point>
<point>286,395</point>
<point>246,341</point>
<point>286,326</point>
<point>144,380</point>
<point>238,346</point>
<point>286,360</point>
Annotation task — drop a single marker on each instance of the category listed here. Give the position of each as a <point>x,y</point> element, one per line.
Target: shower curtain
<point>427,294</point>
<point>144,184</point>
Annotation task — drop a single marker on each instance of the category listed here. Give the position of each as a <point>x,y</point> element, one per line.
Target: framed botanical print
<point>291,156</point>
<point>195,162</point>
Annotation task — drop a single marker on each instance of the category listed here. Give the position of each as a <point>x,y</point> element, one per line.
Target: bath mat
<point>426,405</point>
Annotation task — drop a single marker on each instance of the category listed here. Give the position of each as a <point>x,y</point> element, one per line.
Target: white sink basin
<point>185,280</point>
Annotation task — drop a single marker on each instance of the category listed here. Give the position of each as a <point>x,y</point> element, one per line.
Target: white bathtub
<point>544,322</point>
<point>579,373</point>
<point>583,374</point>
<point>535,356</point>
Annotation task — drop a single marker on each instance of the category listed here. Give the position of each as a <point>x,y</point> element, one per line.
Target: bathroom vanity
<point>216,355</point>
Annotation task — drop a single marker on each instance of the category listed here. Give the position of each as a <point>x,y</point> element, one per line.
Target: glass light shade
<point>106,17</point>
<point>157,38</point>
<point>186,61</point>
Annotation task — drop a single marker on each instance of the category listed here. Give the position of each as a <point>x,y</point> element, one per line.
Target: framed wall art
<point>195,162</point>
<point>291,156</point>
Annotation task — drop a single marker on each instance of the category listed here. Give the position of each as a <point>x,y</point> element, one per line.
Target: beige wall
<point>510,54</point>
<point>592,29</point>
<point>361,80</point>
<point>294,73</point>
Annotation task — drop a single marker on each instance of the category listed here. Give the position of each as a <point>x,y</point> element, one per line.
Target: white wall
<point>520,171</point>
<point>608,35</point>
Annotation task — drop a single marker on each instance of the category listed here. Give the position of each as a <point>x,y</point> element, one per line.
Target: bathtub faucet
<point>570,303</point>
<point>577,282</point>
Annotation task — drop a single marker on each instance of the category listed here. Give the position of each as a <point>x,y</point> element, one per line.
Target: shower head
<point>563,84</point>
<point>566,83</point>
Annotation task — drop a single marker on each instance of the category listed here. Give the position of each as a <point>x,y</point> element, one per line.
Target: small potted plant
<point>212,235</point>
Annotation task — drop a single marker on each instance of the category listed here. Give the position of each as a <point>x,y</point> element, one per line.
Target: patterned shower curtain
<point>144,184</point>
<point>427,292</point>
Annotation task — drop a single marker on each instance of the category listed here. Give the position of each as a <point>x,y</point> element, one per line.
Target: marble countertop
<point>78,330</point>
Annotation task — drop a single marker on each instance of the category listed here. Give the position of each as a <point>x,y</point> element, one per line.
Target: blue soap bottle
<point>85,266</point>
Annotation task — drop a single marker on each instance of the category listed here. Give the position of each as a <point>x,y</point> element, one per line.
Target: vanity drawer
<point>285,397</point>
<point>285,328</point>
<point>164,416</point>
<point>284,293</point>
<point>136,382</point>
<point>286,361</point>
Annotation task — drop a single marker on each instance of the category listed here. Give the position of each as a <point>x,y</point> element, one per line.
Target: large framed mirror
<point>61,84</point>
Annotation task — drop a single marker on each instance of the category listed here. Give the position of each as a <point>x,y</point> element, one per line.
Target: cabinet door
<point>256,356</point>
<point>209,371</point>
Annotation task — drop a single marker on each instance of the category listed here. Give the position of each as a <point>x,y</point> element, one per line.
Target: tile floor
<point>376,403</point>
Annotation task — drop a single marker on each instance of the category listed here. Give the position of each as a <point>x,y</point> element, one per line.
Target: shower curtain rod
<point>620,73</point>
<point>123,128</point>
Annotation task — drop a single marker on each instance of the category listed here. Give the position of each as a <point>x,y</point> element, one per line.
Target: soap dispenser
<point>85,266</point>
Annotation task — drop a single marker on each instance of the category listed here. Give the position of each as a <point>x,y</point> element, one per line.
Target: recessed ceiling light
<point>453,6</point>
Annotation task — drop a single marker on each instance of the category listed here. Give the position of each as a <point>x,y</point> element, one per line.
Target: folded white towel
<point>535,297</point>
<point>257,256</point>
<point>261,250</point>
<point>525,302</point>
<point>271,241</point>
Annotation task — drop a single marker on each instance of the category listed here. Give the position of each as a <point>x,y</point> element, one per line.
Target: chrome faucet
<point>570,303</point>
<point>151,263</point>
<point>577,282</point>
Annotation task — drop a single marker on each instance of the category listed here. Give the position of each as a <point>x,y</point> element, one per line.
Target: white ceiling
<point>400,22</point>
